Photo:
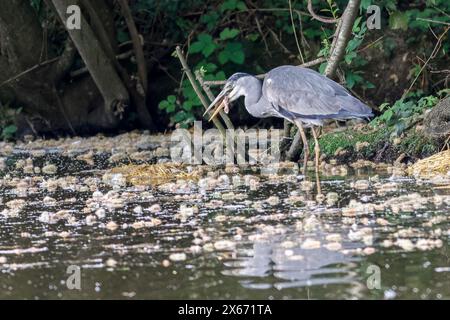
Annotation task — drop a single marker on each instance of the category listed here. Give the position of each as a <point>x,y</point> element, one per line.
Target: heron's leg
<point>317,158</point>
<point>305,146</point>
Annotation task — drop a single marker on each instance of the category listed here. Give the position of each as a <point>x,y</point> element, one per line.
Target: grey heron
<point>300,95</point>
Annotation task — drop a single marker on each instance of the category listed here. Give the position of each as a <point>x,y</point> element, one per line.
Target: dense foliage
<point>229,36</point>
<point>225,36</point>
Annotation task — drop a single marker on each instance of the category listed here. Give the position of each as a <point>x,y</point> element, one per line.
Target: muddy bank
<point>377,144</point>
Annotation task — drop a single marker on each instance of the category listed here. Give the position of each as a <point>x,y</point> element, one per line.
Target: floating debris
<point>111,263</point>
<point>224,245</point>
<point>176,257</point>
<point>309,244</point>
<point>111,226</point>
<point>436,165</point>
<point>154,174</point>
<point>50,169</point>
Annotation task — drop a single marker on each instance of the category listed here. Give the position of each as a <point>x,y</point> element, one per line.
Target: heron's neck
<point>253,92</point>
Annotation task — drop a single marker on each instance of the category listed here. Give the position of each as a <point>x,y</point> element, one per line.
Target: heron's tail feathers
<point>353,108</point>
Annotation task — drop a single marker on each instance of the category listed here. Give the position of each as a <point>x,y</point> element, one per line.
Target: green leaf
<point>9,131</point>
<point>228,5</point>
<point>207,67</point>
<point>238,57</point>
<point>232,52</point>
<point>180,116</point>
<point>122,36</point>
<point>398,20</point>
<point>209,49</point>
<point>196,47</point>
<point>349,57</point>
<point>171,99</point>
<point>223,57</point>
<point>388,114</point>
<point>252,37</point>
<point>163,105</point>
<point>241,6</point>
<point>351,79</point>
<point>365,4</point>
<point>205,38</point>
<point>228,33</point>
<point>322,67</point>
<point>187,105</point>
<point>170,108</point>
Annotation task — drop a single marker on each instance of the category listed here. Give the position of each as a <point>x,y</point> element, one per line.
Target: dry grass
<point>155,174</point>
<point>436,165</point>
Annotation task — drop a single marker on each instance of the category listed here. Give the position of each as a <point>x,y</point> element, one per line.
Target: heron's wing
<point>305,92</point>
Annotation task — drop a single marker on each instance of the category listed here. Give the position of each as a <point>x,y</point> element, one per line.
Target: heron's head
<point>234,88</point>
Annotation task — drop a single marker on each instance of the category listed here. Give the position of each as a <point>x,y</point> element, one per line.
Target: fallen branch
<point>224,116</point>
<point>211,97</point>
<point>194,85</point>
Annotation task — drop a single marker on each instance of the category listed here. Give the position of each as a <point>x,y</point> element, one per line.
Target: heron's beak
<point>221,102</point>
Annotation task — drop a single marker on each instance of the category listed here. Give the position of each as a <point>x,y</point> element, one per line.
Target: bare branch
<point>20,75</point>
<point>346,26</point>
<point>210,95</point>
<point>197,90</point>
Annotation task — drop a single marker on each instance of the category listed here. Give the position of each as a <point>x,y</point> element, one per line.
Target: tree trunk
<point>342,38</point>
<point>37,80</point>
<point>100,67</point>
<point>343,31</point>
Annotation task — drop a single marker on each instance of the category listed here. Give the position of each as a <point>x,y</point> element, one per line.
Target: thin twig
<point>304,41</point>
<point>432,55</point>
<point>137,44</point>
<point>61,107</point>
<point>29,70</point>
<point>277,40</point>
<point>434,21</point>
<point>317,17</point>
<point>371,44</point>
<point>263,36</point>
<point>295,32</point>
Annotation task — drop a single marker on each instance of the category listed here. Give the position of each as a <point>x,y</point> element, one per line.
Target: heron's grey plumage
<point>297,94</point>
<point>302,96</point>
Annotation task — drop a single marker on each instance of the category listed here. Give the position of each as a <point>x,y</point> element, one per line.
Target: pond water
<point>232,235</point>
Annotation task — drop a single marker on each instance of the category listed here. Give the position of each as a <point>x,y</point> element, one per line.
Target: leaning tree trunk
<point>100,67</point>
<point>38,80</point>
<point>343,32</point>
